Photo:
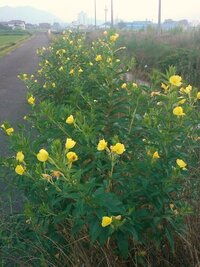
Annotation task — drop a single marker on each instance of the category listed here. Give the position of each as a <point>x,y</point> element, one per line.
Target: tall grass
<point>152,51</point>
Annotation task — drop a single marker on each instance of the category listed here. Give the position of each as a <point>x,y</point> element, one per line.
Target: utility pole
<point>111,14</point>
<point>106,11</point>
<point>95,14</point>
<point>159,16</point>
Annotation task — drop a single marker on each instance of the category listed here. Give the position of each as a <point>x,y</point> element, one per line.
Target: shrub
<point>104,159</point>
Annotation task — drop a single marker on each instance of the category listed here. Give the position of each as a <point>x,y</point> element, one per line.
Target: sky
<point>126,10</point>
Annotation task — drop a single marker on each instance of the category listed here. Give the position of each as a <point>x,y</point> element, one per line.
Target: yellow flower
<point>61,68</point>
<point>109,60</point>
<point>134,85</point>
<point>31,100</point>
<point>102,145</point>
<point>154,93</point>
<point>114,37</point>
<point>118,217</point>
<point>98,58</point>
<point>20,169</point>
<point>171,205</point>
<point>164,86</point>
<point>142,253</point>
<point>181,163</point>
<point>175,80</point>
<point>91,64</point>
<point>124,86</point>
<point>148,152</point>
<point>118,148</point>
<point>47,177</point>
<point>57,174</point>
<point>9,131</point>
<point>106,221</point>
<point>188,89</point>
<point>25,76</point>
<point>176,212</point>
<point>45,86</point>
<point>20,156</point>
<point>198,95</point>
<point>71,72</point>
<point>155,155</point>
<point>3,127</point>
<point>70,143</point>
<point>70,119</point>
<point>182,101</point>
<point>43,155</point>
<point>80,70</point>
<point>72,156</point>
<point>53,85</point>
<point>178,111</point>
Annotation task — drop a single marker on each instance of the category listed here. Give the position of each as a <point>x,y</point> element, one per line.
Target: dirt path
<point>13,105</point>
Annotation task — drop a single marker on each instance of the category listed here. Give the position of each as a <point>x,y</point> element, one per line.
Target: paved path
<point>13,105</point>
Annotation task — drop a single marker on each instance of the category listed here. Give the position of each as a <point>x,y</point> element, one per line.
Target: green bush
<point>103,159</point>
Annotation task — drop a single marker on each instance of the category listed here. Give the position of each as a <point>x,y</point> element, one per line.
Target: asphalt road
<point>13,107</point>
<point>13,104</point>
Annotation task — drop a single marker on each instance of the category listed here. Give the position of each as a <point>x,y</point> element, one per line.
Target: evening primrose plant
<point>104,157</point>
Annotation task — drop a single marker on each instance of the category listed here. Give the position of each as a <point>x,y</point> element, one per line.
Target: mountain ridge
<point>28,14</point>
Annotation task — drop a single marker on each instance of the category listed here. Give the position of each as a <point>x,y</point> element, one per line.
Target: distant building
<point>17,24</point>
<point>30,26</point>
<point>56,26</point>
<point>82,18</point>
<point>170,24</point>
<point>45,26</point>
<point>135,25</point>
<point>183,23</point>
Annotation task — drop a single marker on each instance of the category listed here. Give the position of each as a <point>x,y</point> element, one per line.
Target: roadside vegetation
<point>9,39</point>
<point>154,52</point>
<point>108,168</point>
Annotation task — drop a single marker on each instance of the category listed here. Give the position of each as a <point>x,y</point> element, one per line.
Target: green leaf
<point>122,243</point>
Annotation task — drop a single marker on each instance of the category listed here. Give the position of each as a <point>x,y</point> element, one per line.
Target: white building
<point>82,18</point>
<point>17,24</point>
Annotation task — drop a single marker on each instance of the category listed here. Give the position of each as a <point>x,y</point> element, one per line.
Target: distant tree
<point>4,27</point>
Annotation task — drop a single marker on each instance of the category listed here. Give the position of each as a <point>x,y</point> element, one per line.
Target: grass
<point>9,40</point>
